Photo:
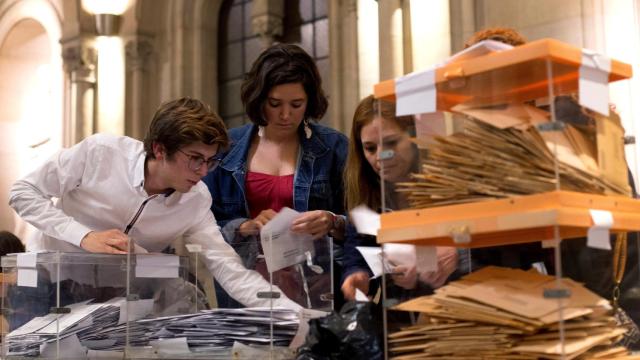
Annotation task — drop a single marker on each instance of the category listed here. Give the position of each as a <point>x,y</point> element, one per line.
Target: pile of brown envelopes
<point>500,313</point>
<point>501,152</point>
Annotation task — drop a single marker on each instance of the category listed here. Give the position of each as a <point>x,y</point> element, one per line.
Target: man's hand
<point>253,226</point>
<point>111,241</point>
<point>358,280</point>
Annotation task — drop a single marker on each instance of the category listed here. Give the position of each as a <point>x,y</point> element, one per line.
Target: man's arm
<point>225,265</point>
<point>31,196</point>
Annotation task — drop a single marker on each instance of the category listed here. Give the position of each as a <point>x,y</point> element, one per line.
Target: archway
<point>30,98</point>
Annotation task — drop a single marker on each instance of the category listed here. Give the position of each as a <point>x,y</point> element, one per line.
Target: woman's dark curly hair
<point>277,65</point>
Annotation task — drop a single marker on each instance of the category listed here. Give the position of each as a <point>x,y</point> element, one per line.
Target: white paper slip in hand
<point>366,221</point>
<point>281,247</point>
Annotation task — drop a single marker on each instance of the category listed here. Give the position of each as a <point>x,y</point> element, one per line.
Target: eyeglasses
<point>196,161</point>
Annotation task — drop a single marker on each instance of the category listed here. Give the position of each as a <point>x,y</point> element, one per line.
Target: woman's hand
<point>405,276</point>
<point>316,223</point>
<point>447,263</point>
<point>357,280</point>
<point>253,226</point>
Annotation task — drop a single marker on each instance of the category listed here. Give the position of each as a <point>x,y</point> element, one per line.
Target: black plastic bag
<point>355,333</point>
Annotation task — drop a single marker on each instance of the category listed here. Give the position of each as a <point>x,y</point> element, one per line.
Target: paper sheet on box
<point>27,273</point>
<point>598,234</point>
<point>594,81</point>
<point>281,247</point>
<point>365,220</point>
<point>416,93</point>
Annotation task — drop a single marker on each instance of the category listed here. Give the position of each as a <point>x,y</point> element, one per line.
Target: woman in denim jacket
<point>281,159</point>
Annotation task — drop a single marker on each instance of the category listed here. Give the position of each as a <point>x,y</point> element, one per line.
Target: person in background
<point>281,159</point>
<point>375,130</point>
<point>9,243</point>
<point>114,189</point>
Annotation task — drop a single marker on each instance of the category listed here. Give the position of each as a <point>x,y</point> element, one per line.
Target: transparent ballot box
<point>298,267</point>
<point>83,306</point>
<point>508,212</point>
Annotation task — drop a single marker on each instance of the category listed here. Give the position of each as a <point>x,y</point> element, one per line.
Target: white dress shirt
<point>99,186</point>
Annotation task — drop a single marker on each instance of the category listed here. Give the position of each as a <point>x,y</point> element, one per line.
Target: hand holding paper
<point>447,263</point>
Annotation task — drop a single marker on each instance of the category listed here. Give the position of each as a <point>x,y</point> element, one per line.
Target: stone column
<point>343,52</point>
<point>80,66</point>
<point>137,53</point>
<point>391,37</point>
<point>266,20</point>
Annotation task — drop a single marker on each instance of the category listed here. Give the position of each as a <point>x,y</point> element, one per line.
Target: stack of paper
<point>499,313</point>
<point>101,327</point>
<point>501,153</point>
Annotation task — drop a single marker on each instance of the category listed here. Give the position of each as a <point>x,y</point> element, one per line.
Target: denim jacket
<point>317,184</point>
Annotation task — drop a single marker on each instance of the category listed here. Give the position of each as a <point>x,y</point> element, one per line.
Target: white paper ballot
<point>360,296</point>
<point>281,247</point>
<point>70,348</point>
<point>365,220</point>
<point>373,257</point>
<point>424,258</point>
<point>134,310</point>
<point>416,93</point>
<point>593,85</point>
<point>304,316</point>
<point>598,234</point>
<point>171,347</point>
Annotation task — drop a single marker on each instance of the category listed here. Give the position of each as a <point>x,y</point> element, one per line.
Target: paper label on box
<point>416,93</point>
<point>594,81</point>
<point>28,277</point>
<point>26,260</point>
<point>598,234</point>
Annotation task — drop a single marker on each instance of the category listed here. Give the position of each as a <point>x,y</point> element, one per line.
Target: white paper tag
<point>594,82</point>
<point>360,296</point>
<point>365,220</point>
<point>416,93</point>
<point>27,273</point>
<point>26,260</point>
<point>157,266</point>
<point>304,316</point>
<point>193,248</point>
<point>598,234</point>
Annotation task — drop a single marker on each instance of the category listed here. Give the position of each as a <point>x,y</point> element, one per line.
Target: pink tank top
<point>264,191</point>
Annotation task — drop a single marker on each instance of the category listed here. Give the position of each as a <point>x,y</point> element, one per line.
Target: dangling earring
<point>260,130</point>
<point>307,129</point>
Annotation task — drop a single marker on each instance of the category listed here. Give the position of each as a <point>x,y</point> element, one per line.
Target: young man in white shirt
<point>112,188</point>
